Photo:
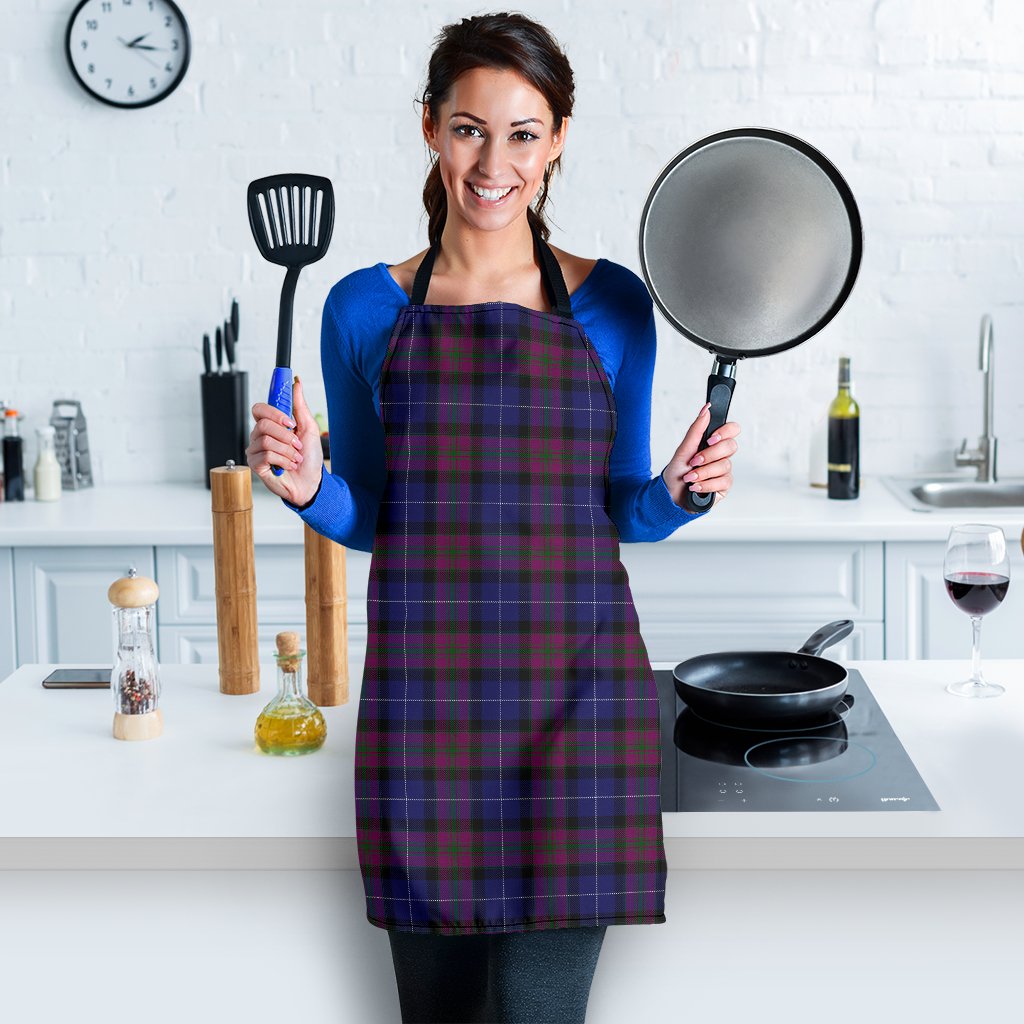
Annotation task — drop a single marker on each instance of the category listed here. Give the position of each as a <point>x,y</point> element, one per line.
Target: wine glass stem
<point>976,651</point>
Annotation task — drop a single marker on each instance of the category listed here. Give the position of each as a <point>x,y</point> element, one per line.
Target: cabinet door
<point>677,643</point>
<point>188,584</point>
<point>8,651</point>
<point>197,645</point>
<point>61,597</point>
<point>922,622</point>
<point>785,581</point>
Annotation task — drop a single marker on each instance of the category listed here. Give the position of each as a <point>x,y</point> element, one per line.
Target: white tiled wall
<point>123,234</point>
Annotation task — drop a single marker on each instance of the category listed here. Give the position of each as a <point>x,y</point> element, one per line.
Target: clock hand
<point>138,39</point>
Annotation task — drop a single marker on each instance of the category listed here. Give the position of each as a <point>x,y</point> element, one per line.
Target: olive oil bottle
<point>844,439</point>
<point>291,723</point>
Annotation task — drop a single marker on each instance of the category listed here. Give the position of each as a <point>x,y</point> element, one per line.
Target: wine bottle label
<point>841,467</point>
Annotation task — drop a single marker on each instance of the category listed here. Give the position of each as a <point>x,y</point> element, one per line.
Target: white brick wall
<point>123,234</point>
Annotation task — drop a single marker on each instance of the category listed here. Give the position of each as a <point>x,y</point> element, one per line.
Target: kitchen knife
<point>234,320</point>
<point>229,345</point>
<point>220,350</point>
<point>206,353</point>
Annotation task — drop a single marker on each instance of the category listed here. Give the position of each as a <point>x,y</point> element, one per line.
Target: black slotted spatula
<point>291,217</point>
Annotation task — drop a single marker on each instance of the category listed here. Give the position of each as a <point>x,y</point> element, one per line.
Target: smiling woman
<point>488,170</point>
<point>489,404</point>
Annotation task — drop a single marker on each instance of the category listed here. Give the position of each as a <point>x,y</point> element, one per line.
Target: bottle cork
<point>288,653</point>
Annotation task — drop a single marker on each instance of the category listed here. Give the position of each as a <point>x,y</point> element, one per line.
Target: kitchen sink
<point>936,493</point>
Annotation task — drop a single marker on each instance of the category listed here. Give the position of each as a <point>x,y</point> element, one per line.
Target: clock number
<point>109,82</point>
<point>152,83</point>
<point>167,67</point>
<point>174,44</point>
<point>90,68</point>
<point>85,45</point>
<point>167,21</point>
<point>91,25</point>
<point>106,8</point>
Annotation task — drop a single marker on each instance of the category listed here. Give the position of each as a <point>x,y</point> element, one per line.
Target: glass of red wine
<point>977,575</point>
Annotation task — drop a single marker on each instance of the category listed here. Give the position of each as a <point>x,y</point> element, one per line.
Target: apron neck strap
<point>550,272</point>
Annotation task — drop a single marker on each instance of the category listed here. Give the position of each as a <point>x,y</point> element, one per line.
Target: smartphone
<point>78,679</point>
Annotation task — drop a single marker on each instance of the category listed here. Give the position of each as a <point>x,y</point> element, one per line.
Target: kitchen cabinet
<point>691,598</point>
<point>922,622</point>
<point>187,612</point>
<point>767,569</point>
<point>61,597</point>
<point>696,598</point>
<point>8,661</point>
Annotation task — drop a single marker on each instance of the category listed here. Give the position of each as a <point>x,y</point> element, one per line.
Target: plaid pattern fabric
<point>507,752</point>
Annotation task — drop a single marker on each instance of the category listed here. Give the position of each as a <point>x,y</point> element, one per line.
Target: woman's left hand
<point>710,469</point>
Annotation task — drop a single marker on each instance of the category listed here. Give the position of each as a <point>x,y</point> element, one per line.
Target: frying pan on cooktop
<point>750,243</point>
<point>765,686</point>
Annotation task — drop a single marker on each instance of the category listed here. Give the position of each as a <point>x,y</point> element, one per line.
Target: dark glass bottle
<point>14,458</point>
<point>844,439</point>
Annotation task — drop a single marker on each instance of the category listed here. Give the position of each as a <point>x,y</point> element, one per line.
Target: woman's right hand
<point>298,452</point>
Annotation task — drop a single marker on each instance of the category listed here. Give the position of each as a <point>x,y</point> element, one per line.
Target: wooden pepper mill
<point>234,563</point>
<point>326,620</point>
<point>134,681</point>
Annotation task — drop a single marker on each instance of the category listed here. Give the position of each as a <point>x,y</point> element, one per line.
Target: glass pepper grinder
<point>134,681</point>
<point>290,723</point>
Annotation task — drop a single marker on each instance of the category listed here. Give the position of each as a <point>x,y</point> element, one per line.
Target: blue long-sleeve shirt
<point>616,312</point>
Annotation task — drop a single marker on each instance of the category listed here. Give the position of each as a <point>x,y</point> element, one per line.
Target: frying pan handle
<point>281,398</point>
<point>827,636</point>
<point>721,384</point>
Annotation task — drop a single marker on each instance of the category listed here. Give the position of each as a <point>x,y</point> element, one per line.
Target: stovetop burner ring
<point>847,743</point>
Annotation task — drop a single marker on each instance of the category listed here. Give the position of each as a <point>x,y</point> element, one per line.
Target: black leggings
<point>539,976</point>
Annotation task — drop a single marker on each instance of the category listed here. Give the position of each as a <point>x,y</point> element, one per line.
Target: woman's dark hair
<point>505,42</point>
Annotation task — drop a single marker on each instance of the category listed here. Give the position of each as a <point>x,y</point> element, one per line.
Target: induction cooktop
<point>848,759</point>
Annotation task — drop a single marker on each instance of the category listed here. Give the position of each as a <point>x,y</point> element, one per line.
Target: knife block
<point>226,414</point>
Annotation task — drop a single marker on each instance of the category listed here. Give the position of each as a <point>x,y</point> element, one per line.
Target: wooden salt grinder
<point>326,620</point>
<point>234,565</point>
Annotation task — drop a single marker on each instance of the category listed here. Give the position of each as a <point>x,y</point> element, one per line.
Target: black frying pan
<point>750,242</point>
<point>765,686</point>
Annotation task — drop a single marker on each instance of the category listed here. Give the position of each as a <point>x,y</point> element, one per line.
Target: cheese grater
<point>71,444</point>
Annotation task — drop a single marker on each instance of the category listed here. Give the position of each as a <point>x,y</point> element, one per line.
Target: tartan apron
<point>507,749</point>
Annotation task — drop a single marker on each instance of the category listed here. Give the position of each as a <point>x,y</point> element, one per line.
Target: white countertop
<point>203,795</point>
<point>757,509</point>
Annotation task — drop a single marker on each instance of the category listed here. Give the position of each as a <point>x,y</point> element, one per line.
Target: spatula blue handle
<point>281,398</point>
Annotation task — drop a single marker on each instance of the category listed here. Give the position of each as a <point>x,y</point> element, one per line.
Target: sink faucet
<point>984,456</point>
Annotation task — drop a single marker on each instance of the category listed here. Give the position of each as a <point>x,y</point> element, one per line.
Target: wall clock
<point>128,53</point>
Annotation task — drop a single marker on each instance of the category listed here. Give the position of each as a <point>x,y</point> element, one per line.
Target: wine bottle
<point>844,439</point>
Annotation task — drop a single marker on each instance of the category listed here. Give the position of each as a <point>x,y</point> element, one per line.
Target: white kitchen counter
<point>757,509</point>
<point>203,796</point>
